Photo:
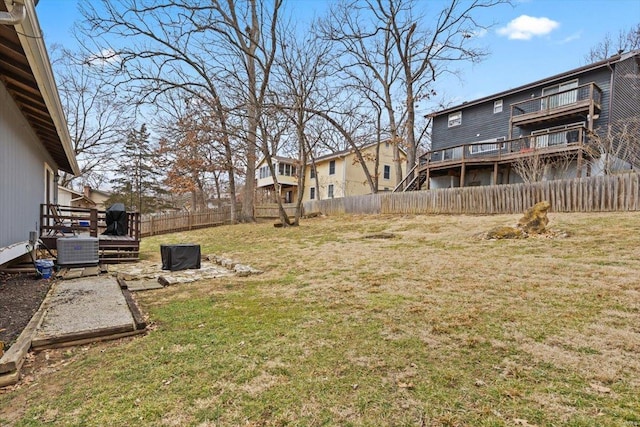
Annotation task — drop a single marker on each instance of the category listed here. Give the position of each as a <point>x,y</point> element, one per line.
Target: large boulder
<point>535,219</point>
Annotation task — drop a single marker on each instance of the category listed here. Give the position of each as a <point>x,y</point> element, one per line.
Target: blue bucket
<point>45,268</point>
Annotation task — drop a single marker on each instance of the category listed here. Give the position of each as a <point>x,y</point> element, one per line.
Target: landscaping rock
<point>505,233</point>
<point>533,222</point>
<point>164,281</point>
<point>245,270</point>
<point>242,270</point>
<point>535,219</point>
<point>228,263</point>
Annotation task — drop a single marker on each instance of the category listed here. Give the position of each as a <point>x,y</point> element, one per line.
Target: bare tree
<point>97,118</point>
<point>393,38</point>
<point>370,68</point>
<point>250,31</point>
<point>214,51</point>
<point>617,148</point>
<point>626,40</point>
<point>539,165</point>
<point>302,72</point>
<point>190,153</point>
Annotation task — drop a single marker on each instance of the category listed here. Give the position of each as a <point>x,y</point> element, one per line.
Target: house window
<point>559,95</point>
<point>497,106</point>
<point>265,172</point>
<point>332,167</point>
<point>312,193</point>
<point>286,169</point>
<point>330,191</point>
<point>312,173</point>
<point>455,119</point>
<point>387,172</point>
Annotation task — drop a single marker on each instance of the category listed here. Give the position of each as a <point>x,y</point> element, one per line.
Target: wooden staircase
<point>416,182</point>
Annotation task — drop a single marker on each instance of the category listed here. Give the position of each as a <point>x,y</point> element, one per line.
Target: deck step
<point>118,260</point>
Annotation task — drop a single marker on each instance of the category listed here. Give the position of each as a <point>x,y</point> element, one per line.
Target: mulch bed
<point>20,298</point>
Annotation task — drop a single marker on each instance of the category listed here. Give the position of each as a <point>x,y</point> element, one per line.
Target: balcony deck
<point>66,221</point>
<point>578,102</point>
<point>567,141</point>
<point>553,142</point>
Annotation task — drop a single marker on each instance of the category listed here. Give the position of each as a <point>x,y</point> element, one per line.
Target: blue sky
<point>530,40</point>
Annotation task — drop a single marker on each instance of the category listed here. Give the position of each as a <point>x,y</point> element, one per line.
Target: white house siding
<point>22,165</point>
<point>65,197</point>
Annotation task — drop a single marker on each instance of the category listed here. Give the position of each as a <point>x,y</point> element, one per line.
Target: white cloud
<point>105,56</point>
<point>572,37</point>
<point>525,27</point>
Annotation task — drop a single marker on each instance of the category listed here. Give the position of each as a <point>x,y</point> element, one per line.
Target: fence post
<point>93,221</point>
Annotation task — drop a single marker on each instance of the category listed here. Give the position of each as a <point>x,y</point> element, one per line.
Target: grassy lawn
<point>432,327</point>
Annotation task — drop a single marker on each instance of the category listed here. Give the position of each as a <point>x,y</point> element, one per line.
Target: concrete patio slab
<point>143,285</point>
<point>82,309</point>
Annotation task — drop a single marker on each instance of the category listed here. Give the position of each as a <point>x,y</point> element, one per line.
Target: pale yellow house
<point>98,197</point>
<point>287,177</point>
<point>341,174</point>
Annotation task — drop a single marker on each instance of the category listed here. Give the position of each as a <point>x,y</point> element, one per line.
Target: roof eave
<point>35,50</point>
<point>570,73</point>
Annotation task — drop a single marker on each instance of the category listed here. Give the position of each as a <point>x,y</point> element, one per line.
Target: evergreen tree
<point>137,183</point>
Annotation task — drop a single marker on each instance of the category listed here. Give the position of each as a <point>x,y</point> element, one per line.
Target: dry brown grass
<point>431,327</point>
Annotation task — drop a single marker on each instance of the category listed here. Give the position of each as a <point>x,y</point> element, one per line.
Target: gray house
<point>492,140</point>
<point>34,139</point>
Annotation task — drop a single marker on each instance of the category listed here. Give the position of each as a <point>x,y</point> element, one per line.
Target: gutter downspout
<point>611,82</point>
<point>610,93</point>
<point>344,176</point>
<point>16,16</point>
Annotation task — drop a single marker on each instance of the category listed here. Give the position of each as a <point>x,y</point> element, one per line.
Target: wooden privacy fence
<point>593,194</point>
<point>153,224</point>
<point>271,210</point>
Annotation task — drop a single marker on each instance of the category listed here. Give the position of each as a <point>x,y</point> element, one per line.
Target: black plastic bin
<point>180,257</point>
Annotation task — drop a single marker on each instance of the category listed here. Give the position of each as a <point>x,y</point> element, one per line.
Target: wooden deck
<point>575,103</point>
<point>569,141</point>
<point>65,221</point>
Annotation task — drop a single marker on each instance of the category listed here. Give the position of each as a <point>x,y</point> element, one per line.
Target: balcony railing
<point>547,142</point>
<point>579,98</point>
<point>61,221</point>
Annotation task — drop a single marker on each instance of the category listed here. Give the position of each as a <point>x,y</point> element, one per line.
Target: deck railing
<point>58,220</point>
<point>547,142</point>
<point>586,93</point>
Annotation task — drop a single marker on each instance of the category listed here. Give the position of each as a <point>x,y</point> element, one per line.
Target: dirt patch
<point>20,298</point>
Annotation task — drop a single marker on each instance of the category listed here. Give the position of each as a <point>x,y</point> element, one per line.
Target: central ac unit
<point>81,251</point>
